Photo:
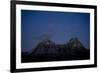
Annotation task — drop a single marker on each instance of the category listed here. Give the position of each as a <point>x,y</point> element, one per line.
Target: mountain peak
<point>46,50</point>
<point>75,43</point>
<point>46,42</point>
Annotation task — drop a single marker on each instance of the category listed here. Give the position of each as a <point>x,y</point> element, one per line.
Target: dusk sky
<point>60,27</point>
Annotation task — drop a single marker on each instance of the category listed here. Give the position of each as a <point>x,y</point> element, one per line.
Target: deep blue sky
<point>59,26</point>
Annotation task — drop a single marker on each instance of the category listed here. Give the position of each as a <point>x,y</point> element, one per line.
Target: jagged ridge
<point>47,50</point>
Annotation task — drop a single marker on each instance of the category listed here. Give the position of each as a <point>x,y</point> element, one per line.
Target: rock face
<point>74,43</point>
<point>44,47</point>
<point>77,50</point>
<point>47,50</point>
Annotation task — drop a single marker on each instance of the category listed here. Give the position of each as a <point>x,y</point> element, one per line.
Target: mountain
<point>74,43</point>
<point>45,47</point>
<point>47,50</point>
<point>77,50</point>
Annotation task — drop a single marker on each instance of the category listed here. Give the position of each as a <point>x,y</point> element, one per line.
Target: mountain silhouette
<point>47,50</point>
<point>74,43</point>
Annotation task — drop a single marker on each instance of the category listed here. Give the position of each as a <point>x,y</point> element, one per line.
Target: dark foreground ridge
<point>47,50</point>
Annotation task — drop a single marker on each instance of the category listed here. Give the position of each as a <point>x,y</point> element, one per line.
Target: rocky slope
<point>47,50</point>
